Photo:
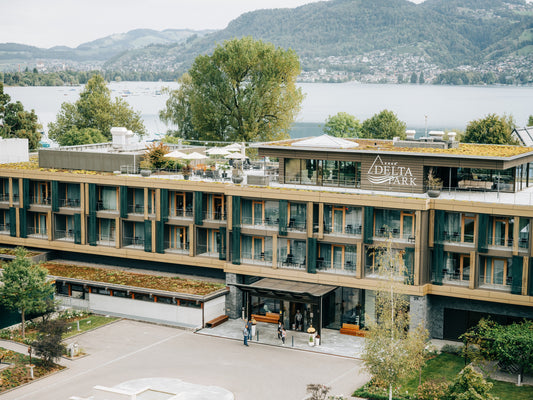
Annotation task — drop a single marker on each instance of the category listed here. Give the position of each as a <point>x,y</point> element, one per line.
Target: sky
<point>73,22</point>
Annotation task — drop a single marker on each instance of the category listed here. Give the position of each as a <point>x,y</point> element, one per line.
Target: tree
<point>392,351</point>
<point>492,129</point>
<point>48,345</point>
<point>94,109</point>
<point>245,91</point>
<point>15,122</point>
<point>469,385</point>
<point>530,121</point>
<point>384,125</point>
<point>75,136</point>
<point>511,345</point>
<point>342,125</point>
<point>421,79</point>
<point>155,155</point>
<point>25,287</point>
<point>414,78</point>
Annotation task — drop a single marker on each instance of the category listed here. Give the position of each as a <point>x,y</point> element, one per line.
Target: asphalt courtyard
<point>127,350</point>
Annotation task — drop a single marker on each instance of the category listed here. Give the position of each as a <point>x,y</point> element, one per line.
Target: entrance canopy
<point>287,290</point>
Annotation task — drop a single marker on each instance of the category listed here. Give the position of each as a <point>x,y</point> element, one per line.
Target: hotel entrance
<point>298,305</point>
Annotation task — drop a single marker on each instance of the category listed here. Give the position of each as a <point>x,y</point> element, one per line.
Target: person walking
<point>283,336</point>
<point>249,327</point>
<point>280,326</point>
<point>298,318</point>
<point>245,334</point>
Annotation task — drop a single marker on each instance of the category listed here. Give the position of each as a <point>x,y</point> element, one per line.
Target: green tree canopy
<point>384,125</point>
<point>245,91</point>
<point>15,122</point>
<point>25,287</point>
<point>97,110</point>
<point>75,136</point>
<point>530,121</point>
<point>342,125</point>
<point>492,129</point>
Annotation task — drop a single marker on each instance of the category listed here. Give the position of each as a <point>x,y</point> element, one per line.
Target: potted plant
<point>146,167</point>
<point>312,334</point>
<point>236,175</point>
<point>186,171</point>
<point>434,184</point>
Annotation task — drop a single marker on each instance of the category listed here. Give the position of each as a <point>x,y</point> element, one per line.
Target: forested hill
<point>447,32</point>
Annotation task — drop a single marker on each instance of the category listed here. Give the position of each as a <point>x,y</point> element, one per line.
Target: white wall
<point>14,150</point>
<point>138,309</point>
<point>214,308</point>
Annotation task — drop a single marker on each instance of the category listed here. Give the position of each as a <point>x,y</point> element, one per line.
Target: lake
<point>446,107</point>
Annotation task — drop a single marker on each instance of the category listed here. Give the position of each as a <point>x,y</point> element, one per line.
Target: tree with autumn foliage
<point>392,351</point>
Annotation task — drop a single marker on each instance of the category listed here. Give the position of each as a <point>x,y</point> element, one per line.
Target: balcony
<point>173,248</point>
<point>135,209</point>
<point>326,266</point>
<point>5,228</point>
<point>214,216</point>
<point>292,262</point>
<point>349,230</point>
<point>64,235</point>
<point>39,233</point>
<point>41,201</point>
<point>263,258</point>
<point>69,203</point>
<point>106,240</point>
<point>261,223</point>
<point>135,242</point>
<point>181,213</point>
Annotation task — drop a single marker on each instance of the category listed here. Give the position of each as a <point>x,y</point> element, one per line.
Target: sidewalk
<point>331,341</point>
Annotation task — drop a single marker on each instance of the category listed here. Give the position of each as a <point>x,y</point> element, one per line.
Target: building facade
<point>307,241</point>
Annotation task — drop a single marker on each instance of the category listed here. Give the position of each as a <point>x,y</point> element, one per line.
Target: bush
<point>452,349</point>
<point>432,390</point>
<point>48,344</point>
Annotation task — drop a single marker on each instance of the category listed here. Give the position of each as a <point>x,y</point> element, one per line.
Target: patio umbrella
<point>175,154</point>
<point>213,151</point>
<point>233,147</point>
<point>194,156</point>
<point>236,156</point>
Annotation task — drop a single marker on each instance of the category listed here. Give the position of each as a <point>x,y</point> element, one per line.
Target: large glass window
<point>38,225</point>
<point>136,201</point>
<point>133,234</point>
<point>323,172</point>
<point>342,220</point>
<point>486,179</point>
<point>394,223</point>
<point>459,227</point>
<point>214,207</point>
<point>207,242</point>
<point>40,193</point>
<point>106,231</point>
<point>456,268</point>
<point>297,216</point>
<point>5,225</point>
<point>291,253</point>
<point>180,204</point>
<point>260,212</point>
<point>494,272</point>
<point>337,258</point>
<point>108,198</point>
<point>176,238</point>
<point>501,231</point>
<point>523,240</point>
<point>374,257</point>
<point>64,227</point>
<point>256,248</point>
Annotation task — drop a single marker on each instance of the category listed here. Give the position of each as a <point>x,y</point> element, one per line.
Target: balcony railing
<point>4,197</point>
<point>203,250</point>
<point>43,201</point>
<point>106,240</point>
<point>37,232</point>
<point>173,247</point>
<point>270,222</point>
<point>348,268</point>
<point>263,258</point>
<point>70,202</point>
<point>135,241</point>
<point>214,216</point>
<point>456,237</point>
<point>67,235</point>
<point>295,225</point>
<point>5,227</point>
<point>291,262</point>
<point>135,208</point>
<point>349,229</point>
<point>181,213</point>
<point>101,206</point>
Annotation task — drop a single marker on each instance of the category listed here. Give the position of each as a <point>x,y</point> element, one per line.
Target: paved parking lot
<point>128,350</point>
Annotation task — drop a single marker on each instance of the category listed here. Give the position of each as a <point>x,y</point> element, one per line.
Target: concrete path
<point>129,350</point>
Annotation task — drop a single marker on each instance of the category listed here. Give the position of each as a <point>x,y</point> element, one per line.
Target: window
<point>501,231</point>
<point>394,223</point>
<point>4,221</point>
<point>133,234</point>
<point>214,207</point>
<point>38,224</point>
<point>323,172</point>
<point>342,220</point>
<point>177,238</point>
<point>207,242</point>
<point>257,248</point>
<point>41,193</point>
<point>108,198</point>
<point>181,204</point>
<point>337,258</point>
<point>374,257</point>
<point>106,231</point>
<point>494,271</point>
<point>523,240</point>
<point>297,213</point>
<point>291,253</point>
<point>459,227</point>
<point>136,201</point>
<point>457,267</point>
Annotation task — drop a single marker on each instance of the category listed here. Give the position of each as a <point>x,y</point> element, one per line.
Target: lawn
<point>86,324</point>
<point>446,366</point>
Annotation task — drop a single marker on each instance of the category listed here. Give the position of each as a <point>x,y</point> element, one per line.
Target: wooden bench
<point>352,329</point>
<point>270,317</point>
<point>216,321</point>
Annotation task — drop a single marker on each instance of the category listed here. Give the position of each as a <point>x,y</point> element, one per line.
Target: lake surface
<point>446,107</point>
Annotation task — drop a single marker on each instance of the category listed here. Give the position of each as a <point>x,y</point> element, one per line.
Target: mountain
<point>98,50</point>
<point>376,38</point>
<point>446,33</point>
